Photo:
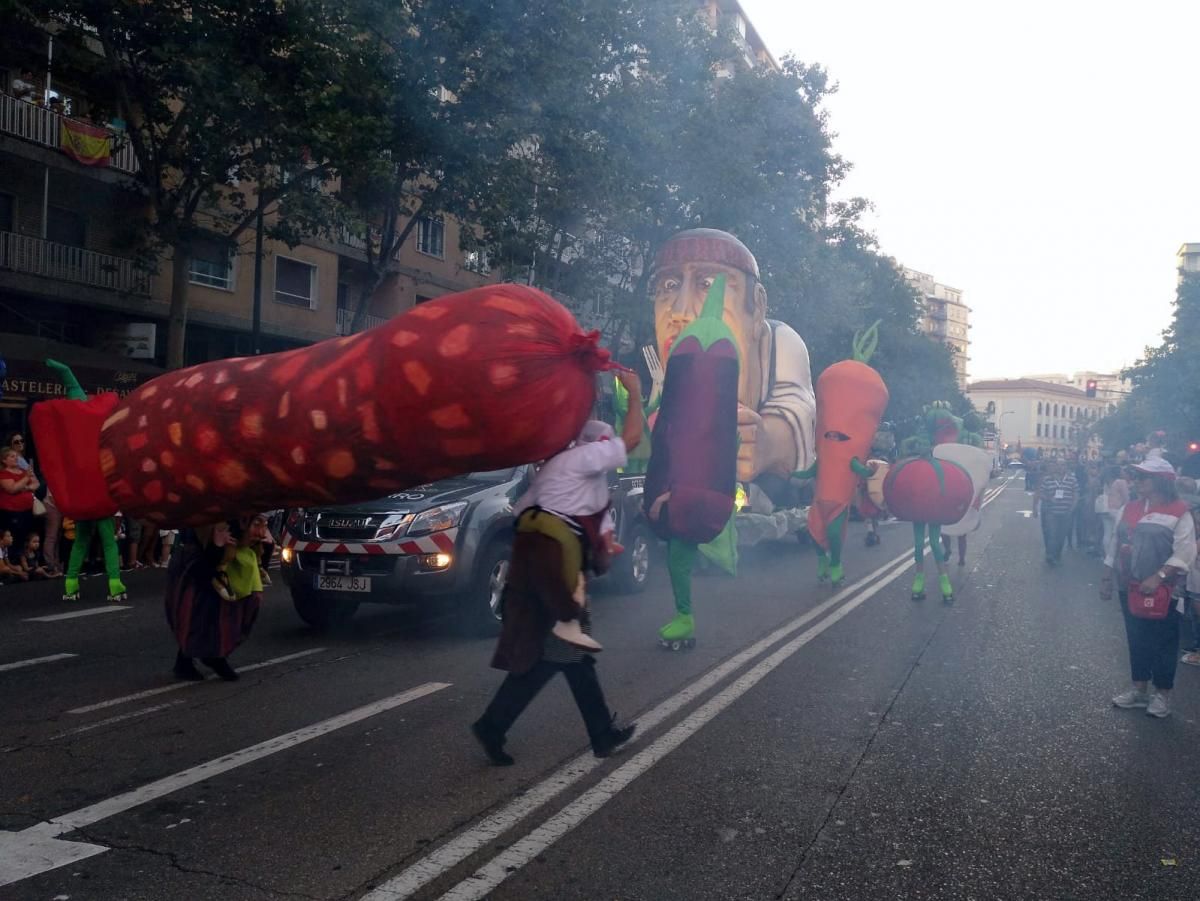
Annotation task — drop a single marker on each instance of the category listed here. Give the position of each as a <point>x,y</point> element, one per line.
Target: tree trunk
<point>177,318</point>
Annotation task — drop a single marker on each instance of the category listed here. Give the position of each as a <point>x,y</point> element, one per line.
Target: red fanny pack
<point>1149,606</point>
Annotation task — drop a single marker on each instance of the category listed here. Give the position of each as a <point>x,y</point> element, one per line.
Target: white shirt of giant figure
<point>777,409</point>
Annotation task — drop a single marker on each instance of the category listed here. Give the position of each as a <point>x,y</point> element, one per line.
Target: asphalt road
<point>814,745</point>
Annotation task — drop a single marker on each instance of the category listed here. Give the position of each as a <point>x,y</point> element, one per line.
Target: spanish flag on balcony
<point>87,144</point>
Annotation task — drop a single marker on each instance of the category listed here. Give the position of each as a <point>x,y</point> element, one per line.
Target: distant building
<point>946,319</point>
<point>1188,260</point>
<point>729,14</point>
<point>1053,418</point>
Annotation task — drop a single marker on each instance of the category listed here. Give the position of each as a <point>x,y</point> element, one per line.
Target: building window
<point>431,237</point>
<point>1039,430</point>
<point>295,283</point>
<point>477,261</point>
<point>211,265</point>
<point>66,227</point>
<point>1056,409</point>
<point>8,213</point>
<point>1039,408</point>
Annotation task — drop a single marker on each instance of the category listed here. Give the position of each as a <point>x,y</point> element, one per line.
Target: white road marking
<point>75,614</point>
<point>34,661</point>
<point>520,853</point>
<point>34,850</point>
<point>133,714</point>
<point>462,846</point>
<point>176,686</point>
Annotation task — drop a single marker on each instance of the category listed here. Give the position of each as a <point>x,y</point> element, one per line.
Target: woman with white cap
<point>1152,548</point>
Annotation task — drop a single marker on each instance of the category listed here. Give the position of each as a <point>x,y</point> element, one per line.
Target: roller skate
<point>822,569</point>
<point>872,539</point>
<point>117,592</point>
<point>918,587</point>
<point>678,634</point>
<point>947,589</point>
<point>71,589</point>
<point>837,575</point>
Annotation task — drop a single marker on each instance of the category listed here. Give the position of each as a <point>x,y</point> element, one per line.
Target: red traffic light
<point>1193,447</point>
<point>1091,388</point>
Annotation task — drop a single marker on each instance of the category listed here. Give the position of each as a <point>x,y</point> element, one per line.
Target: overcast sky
<point>1044,157</point>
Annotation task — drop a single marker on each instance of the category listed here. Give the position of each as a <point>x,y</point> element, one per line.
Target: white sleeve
<point>1184,552</point>
<point>1110,550</point>
<point>596,457</point>
<point>792,398</point>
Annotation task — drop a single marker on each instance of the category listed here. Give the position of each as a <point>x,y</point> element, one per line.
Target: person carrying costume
<point>213,594</point>
<point>870,503</point>
<point>544,596</point>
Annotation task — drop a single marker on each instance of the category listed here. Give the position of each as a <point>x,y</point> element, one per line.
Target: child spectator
<point>31,558</point>
<point>10,570</point>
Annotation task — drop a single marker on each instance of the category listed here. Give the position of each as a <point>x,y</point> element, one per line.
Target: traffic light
<point>1194,447</point>
<point>1091,388</point>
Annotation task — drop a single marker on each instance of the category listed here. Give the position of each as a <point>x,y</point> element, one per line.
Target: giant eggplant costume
<point>692,476</point>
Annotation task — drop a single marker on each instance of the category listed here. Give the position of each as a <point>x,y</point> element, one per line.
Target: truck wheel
<point>631,570</point>
<point>481,602</point>
<point>322,614</point>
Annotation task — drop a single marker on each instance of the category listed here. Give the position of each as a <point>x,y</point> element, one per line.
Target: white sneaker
<point>1158,706</point>
<point>570,632</point>
<point>1132,698</point>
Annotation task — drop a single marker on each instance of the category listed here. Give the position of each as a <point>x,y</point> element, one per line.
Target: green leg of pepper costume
<point>106,528</point>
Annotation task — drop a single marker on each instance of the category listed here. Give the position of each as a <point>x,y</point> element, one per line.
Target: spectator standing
<point>53,522</point>
<point>17,442</point>
<point>1153,547</point>
<point>1114,495</point>
<point>16,495</point>
<point>1191,654</point>
<point>1054,503</point>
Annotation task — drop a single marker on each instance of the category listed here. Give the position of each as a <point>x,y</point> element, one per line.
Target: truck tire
<point>631,570</point>
<point>323,614</point>
<point>480,603</point>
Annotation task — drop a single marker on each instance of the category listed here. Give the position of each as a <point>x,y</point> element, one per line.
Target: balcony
<point>359,242</point>
<point>345,317</point>
<point>38,125</point>
<point>23,253</point>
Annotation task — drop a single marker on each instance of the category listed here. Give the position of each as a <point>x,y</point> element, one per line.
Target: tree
<point>230,107</point>
<point>1164,382</point>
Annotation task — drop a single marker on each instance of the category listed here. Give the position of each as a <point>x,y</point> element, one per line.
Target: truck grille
<point>347,528</point>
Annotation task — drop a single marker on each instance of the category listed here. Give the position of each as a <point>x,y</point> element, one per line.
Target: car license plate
<point>343,583</point>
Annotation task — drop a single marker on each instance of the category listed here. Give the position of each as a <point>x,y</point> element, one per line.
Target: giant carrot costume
<point>851,400</point>
<point>486,379</point>
<point>692,476</point>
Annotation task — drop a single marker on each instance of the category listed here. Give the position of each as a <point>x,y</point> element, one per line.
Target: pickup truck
<point>438,548</point>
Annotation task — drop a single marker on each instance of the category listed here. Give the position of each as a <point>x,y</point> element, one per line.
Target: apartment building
<point>70,283</point>
<point>730,14</point>
<point>946,319</point>
<point>1054,418</point>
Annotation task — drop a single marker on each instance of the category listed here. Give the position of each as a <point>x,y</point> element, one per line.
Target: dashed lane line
<point>34,661</point>
<point>75,614</point>
<point>176,686</point>
<point>112,720</point>
<point>39,849</point>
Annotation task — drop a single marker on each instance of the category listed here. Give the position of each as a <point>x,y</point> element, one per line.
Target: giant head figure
<point>777,409</point>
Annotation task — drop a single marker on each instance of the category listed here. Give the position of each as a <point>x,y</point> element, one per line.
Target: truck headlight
<point>439,519</point>
<point>287,555</point>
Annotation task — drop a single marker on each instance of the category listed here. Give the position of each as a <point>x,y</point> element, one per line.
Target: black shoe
<point>185,669</point>
<point>493,745</point>
<point>221,667</point>
<point>613,739</point>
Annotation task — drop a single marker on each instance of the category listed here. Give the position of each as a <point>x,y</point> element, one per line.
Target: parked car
<point>438,548</point>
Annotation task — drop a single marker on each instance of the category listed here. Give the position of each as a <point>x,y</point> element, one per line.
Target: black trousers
<point>516,691</point>
<point>1153,646</point>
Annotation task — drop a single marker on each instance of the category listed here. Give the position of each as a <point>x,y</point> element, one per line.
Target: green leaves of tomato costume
<point>692,475</point>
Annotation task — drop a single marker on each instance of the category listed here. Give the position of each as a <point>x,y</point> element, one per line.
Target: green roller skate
<point>837,574</point>
<point>822,569</point>
<point>117,592</point>
<point>918,587</point>
<point>678,634</point>
<point>947,589</point>
<point>71,589</point>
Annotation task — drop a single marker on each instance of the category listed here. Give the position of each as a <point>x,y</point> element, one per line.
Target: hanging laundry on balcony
<point>86,144</point>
